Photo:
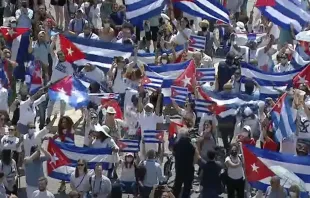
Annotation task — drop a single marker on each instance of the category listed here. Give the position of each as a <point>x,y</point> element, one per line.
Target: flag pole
<point>246,185</point>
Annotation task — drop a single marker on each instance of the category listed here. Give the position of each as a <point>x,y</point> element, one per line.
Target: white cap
<point>247,128</point>
<point>149,105</point>
<point>247,111</point>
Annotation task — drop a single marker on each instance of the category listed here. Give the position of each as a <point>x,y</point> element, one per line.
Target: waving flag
<point>302,77</point>
<point>283,117</point>
<point>81,51</point>
<point>115,104</point>
<point>128,146</point>
<point>152,136</point>
<point>284,13</point>
<point>70,90</point>
<point>197,42</point>
<point>188,77</point>
<point>267,80</point>
<point>34,76</point>
<point>211,9</point>
<point>204,75</point>
<point>3,77</point>
<point>179,94</point>
<point>10,34</point>
<point>242,39</point>
<point>259,165</point>
<point>139,10</point>
<point>65,157</point>
<point>300,57</point>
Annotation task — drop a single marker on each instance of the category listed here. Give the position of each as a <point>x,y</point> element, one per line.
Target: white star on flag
<point>10,32</point>
<point>36,74</point>
<point>302,80</point>
<point>78,95</point>
<point>62,90</point>
<point>186,81</point>
<point>70,51</point>
<point>54,159</point>
<point>254,167</point>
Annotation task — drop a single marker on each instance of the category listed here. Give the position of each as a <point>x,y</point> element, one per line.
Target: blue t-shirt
<point>34,170</point>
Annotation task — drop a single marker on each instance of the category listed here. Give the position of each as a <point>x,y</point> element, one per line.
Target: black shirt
<point>211,175</point>
<point>224,73</point>
<point>184,153</point>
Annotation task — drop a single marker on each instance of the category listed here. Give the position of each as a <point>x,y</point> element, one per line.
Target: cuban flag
<point>242,39</point>
<point>33,76</point>
<point>283,117</point>
<point>197,42</point>
<point>300,57</point>
<point>128,146</point>
<point>284,13</point>
<point>222,104</point>
<point>139,10</point>
<point>179,94</point>
<point>210,9</point>
<point>65,157</point>
<point>204,75</point>
<point>261,165</point>
<point>81,51</point>
<point>267,80</point>
<point>5,82</point>
<point>70,90</point>
<point>153,136</point>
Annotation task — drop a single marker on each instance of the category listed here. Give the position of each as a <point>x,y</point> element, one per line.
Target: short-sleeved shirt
<point>34,170</point>
<point>275,194</point>
<point>44,194</point>
<point>41,51</point>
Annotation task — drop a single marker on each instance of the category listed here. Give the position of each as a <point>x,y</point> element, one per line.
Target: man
<point>93,73</point>
<point>87,32</point>
<point>126,33</point>
<point>284,65</point>
<point>76,25</point>
<point>42,192</point>
<point>184,153</point>
<point>211,181</point>
<point>24,15</point>
<point>34,168</point>
<point>209,49</point>
<point>275,189</point>
<point>100,185</point>
<point>154,174</point>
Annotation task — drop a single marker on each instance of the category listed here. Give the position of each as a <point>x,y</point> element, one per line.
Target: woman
<point>183,34</point>
<point>294,191</point>
<point>128,177</point>
<point>94,16</point>
<point>70,11</point>
<point>79,180</point>
<point>115,125</point>
<point>9,168</point>
<point>207,142</point>
<point>59,11</point>
<point>107,32</point>
<point>11,142</point>
<point>3,127</point>
<point>235,176</point>
<point>188,114</point>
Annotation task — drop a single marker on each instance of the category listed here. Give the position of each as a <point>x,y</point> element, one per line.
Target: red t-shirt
<point>269,144</point>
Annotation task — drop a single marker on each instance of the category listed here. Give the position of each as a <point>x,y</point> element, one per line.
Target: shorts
<point>152,34</point>
<point>58,2</point>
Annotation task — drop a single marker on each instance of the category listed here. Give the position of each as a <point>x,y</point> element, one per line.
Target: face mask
<point>164,61</point>
<point>13,25</point>
<point>234,153</point>
<point>106,25</point>
<point>148,113</point>
<point>24,5</point>
<point>31,131</point>
<point>293,194</point>
<point>86,4</point>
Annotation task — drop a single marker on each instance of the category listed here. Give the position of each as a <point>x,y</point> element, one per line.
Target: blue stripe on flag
<point>150,136</point>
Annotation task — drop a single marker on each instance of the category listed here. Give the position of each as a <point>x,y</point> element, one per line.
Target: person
<point>294,191</point>
<point>154,174</point>
<point>65,132</point>
<point>107,33</point>
<point>79,179</point>
<point>211,181</point>
<point>34,168</point>
<point>207,142</point>
<point>9,168</point>
<point>128,173</point>
<point>115,125</point>
<point>284,65</point>
<point>11,142</point>
<point>100,185</point>
<point>184,152</point>
<point>205,32</point>
<point>93,73</point>
<point>235,175</point>
<point>42,191</point>
<point>59,11</point>
<point>188,113</point>
<point>76,25</point>
<point>88,33</point>
<point>275,189</point>
<point>2,187</point>
<point>183,33</point>
<point>24,15</point>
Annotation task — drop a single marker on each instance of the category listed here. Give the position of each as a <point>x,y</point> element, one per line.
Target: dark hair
<point>33,149</point>
<point>211,154</point>
<point>6,156</point>
<point>187,21</point>
<point>160,189</point>
<point>73,194</point>
<point>116,191</point>
<point>129,165</point>
<point>1,175</point>
<point>94,87</point>
<point>249,86</point>
<point>233,145</point>
<point>69,124</point>
<point>76,174</point>
<point>127,25</point>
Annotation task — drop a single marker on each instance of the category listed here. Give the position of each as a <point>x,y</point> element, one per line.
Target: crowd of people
<point>27,118</point>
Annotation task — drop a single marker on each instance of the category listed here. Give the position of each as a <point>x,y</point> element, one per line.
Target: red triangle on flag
<point>121,145</point>
<point>255,169</point>
<point>145,80</point>
<point>188,77</point>
<point>160,136</point>
<point>58,157</point>
<point>217,109</point>
<point>10,34</point>
<point>199,75</point>
<point>302,77</point>
<point>64,86</point>
<point>262,3</point>
<point>72,52</point>
<point>174,92</point>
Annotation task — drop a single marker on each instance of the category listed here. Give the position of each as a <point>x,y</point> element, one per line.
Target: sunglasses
<point>80,164</point>
<point>32,127</point>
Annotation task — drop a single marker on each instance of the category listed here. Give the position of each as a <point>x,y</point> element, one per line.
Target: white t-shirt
<point>234,173</point>
<point>91,36</point>
<point>81,183</point>
<point>179,38</point>
<point>119,85</point>
<point>264,60</point>
<point>288,145</point>
<point>61,70</point>
<point>127,174</point>
<point>107,143</point>
<point>44,194</point>
<point>96,75</point>
<point>28,110</point>
<point>4,99</point>
<point>9,143</point>
<point>30,141</point>
<point>279,68</point>
<point>275,31</point>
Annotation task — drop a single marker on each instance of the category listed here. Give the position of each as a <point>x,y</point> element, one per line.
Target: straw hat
<point>204,23</point>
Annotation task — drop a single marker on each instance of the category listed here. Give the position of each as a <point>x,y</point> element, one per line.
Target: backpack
<point>73,24</point>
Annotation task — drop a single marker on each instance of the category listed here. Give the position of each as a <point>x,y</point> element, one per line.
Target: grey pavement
<point>54,184</point>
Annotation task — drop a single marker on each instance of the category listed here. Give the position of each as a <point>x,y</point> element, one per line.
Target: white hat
<point>103,129</point>
<point>149,105</point>
<point>247,111</point>
<point>240,25</point>
<point>247,128</point>
<point>111,110</point>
